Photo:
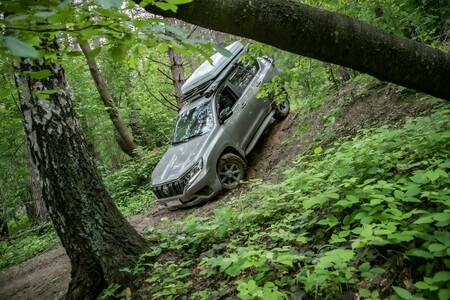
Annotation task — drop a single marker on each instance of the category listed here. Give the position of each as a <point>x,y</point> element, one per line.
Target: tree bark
<point>97,238</point>
<point>178,78</point>
<point>326,36</point>
<point>36,210</point>
<point>40,213</point>
<point>126,143</point>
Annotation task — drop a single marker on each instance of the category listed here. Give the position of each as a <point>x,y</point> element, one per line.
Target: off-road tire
<point>281,109</point>
<point>231,169</point>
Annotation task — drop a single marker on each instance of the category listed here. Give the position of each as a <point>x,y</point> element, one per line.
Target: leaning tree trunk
<point>178,78</point>
<point>97,238</point>
<point>324,35</point>
<point>125,137</point>
<point>177,71</point>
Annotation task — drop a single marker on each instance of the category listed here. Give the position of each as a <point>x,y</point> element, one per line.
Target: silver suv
<point>216,129</point>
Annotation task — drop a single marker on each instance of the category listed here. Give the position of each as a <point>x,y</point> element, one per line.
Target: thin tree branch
<point>165,75</point>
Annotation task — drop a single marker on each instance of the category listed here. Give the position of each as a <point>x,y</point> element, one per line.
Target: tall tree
<point>97,238</point>
<point>125,136</point>
<point>178,78</point>
<point>323,35</point>
<point>36,210</point>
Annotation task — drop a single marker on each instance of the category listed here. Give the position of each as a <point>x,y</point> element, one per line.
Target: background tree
<point>125,136</point>
<point>327,36</point>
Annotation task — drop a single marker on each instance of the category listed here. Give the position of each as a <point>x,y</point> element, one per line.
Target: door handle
<point>244,104</point>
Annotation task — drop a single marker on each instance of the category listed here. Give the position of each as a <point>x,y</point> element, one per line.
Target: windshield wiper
<point>188,138</point>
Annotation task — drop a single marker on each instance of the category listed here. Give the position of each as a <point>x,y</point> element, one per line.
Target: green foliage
<point>371,209</point>
<point>305,80</point>
<point>130,187</point>
<point>14,176</point>
<point>26,245</point>
<point>426,20</point>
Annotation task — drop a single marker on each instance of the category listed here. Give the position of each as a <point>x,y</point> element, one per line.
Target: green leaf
<point>413,190</point>
<point>419,177</point>
<point>74,53</point>
<point>118,53</point>
<point>45,94</point>
<point>364,267</point>
<point>404,294</point>
<point>432,175</point>
<point>225,52</point>
<point>178,2</point>
<point>422,285</point>
<point>441,217</point>
<point>420,253</point>
<point>40,74</point>
<point>19,48</point>
<point>444,294</point>
<point>318,150</point>
<point>424,220</point>
<point>109,3</point>
<point>399,194</point>
<point>166,6</point>
<point>95,52</point>
<point>365,293</point>
<point>436,247</point>
<point>61,17</point>
<point>442,276</point>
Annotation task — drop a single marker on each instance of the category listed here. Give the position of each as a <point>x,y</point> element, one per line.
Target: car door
<point>248,80</point>
<point>236,125</point>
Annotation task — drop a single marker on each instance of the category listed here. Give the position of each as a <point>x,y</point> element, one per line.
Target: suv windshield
<point>194,122</point>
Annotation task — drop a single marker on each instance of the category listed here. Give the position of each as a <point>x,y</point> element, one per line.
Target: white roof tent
<point>207,78</point>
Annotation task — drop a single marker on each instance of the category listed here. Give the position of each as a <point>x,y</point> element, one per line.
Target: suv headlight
<point>192,173</point>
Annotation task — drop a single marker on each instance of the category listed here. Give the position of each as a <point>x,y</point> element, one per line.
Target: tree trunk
<point>40,213</point>
<point>178,78</point>
<point>326,36</point>
<point>176,70</point>
<point>4,232</point>
<point>97,238</point>
<point>126,143</point>
<point>36,210</point>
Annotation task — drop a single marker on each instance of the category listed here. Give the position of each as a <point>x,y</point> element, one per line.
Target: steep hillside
<point>208,251</point>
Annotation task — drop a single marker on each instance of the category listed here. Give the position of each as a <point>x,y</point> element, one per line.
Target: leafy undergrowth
<point>130,187</point>
<point>363,218</point>
<point>27,244</point>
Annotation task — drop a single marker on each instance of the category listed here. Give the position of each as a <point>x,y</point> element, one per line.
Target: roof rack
<point>206,84</point>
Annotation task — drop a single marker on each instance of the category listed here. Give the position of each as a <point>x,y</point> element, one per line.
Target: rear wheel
<point>231,170</point>
<point>281,107</point>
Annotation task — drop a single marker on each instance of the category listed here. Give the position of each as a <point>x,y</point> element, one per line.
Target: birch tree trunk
<point>97,238</point>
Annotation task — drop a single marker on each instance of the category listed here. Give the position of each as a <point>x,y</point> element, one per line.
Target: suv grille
<point>168,190</point>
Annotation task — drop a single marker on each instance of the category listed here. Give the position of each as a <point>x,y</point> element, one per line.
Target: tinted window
<point>242,77</point>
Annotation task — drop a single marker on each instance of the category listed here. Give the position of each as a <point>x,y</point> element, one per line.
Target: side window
<point>243,75</point>
<point>226,99</point>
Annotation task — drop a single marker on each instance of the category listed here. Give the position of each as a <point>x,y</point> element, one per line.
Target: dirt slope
<point>47,276</point>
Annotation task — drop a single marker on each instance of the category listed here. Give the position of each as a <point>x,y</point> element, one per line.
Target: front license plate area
<point>173,203</point>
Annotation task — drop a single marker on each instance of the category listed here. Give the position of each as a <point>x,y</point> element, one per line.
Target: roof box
<point>207,72</point>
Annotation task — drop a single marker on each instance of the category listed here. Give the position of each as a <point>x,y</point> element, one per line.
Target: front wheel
<point>231,170</point>
<point>281,107</point>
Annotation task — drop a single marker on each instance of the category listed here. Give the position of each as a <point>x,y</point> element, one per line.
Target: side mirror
<point>225,114</point>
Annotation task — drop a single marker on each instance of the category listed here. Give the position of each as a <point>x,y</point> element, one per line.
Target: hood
<point>178,159</point>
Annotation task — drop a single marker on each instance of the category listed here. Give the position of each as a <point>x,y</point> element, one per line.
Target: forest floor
<point>47,275</point>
